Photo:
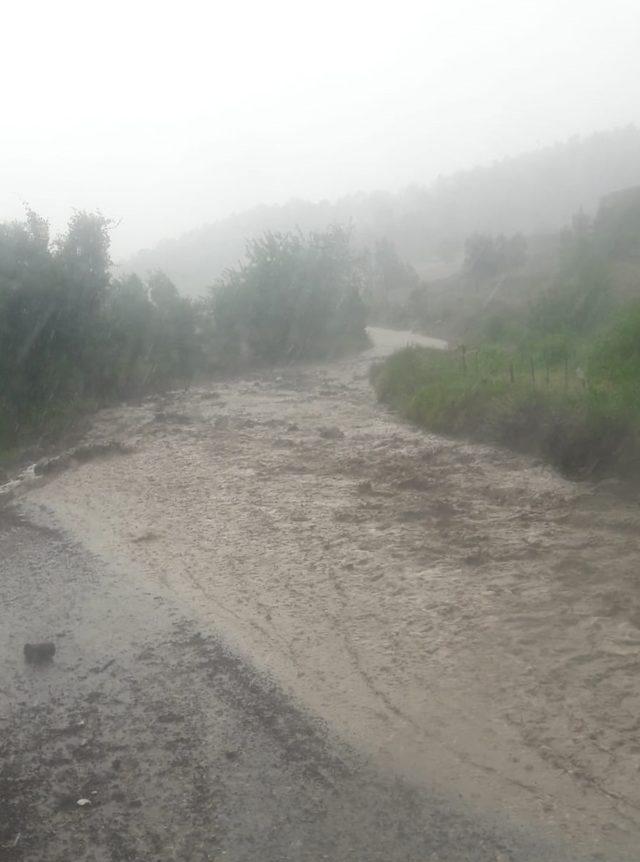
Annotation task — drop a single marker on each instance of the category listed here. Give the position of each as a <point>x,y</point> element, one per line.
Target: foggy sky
<point>167,115</point>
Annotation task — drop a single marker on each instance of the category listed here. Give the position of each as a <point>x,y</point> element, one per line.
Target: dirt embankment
<point>463,614</point>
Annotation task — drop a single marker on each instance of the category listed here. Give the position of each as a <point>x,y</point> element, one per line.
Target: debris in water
<point>104,667</point>
<point>147,536</point>
<point>172,418</point>
<point>39,653</point>
<point>331,433</point>
<point>81,454</point>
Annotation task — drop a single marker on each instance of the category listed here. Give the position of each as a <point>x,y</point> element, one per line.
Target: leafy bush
<point>297,297</point>
<point>615,359</point>
<point>71,336</point>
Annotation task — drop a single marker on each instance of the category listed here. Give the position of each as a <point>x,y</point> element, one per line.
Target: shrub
<point>297,297</point>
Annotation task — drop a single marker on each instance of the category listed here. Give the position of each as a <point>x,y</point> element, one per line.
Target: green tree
<point>296,297</point>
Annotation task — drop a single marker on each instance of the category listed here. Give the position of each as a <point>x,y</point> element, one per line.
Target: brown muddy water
<point>461,617</point>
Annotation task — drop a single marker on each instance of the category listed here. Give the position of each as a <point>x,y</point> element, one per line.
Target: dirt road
<point>278,558</point>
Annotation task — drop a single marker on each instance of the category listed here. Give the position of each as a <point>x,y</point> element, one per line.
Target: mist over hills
<point>536,192</point>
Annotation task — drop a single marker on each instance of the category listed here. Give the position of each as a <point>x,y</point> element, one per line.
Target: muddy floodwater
<point>462,617</point>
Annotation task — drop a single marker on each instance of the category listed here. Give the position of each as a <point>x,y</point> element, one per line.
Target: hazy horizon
<point>162,122</point>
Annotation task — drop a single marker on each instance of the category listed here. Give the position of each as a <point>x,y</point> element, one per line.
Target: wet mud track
<point>182,749</point>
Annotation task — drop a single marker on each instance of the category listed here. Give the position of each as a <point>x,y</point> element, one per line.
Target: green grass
<point>574,404</point>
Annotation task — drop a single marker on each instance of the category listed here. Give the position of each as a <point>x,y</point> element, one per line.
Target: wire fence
<point>535,369</point>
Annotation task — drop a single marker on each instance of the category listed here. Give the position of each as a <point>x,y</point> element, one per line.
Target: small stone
<point>39,653</point>
<point>331,433</point>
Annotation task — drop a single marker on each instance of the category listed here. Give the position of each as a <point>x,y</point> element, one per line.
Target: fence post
<point>533,371</point>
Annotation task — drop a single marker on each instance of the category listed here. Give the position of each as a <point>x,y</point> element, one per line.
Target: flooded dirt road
<point>458,620</point>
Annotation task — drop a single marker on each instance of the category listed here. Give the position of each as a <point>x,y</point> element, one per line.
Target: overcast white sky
<point>166,115</point>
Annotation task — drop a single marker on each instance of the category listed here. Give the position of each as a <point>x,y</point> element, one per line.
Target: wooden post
<point>533,371</point>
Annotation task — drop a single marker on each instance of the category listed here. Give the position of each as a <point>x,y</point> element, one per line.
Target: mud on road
<point>465,622</point>
<point>179,749</point>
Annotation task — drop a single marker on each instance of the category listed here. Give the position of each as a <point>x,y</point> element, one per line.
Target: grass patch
<point>571,407</point>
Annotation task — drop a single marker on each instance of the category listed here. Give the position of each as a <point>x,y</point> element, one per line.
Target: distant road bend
<point>290,626</point>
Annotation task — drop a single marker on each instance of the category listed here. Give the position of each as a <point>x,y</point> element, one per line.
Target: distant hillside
<point>533,193</point>
<point>547,335</point>
<point>490,290</point>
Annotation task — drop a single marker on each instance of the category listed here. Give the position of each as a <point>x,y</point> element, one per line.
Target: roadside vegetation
<point>73,337</point>
<point>558,376</point>
<point>296,297</point>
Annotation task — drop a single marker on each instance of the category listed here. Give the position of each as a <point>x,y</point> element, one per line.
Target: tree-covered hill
<point>536,192</point>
